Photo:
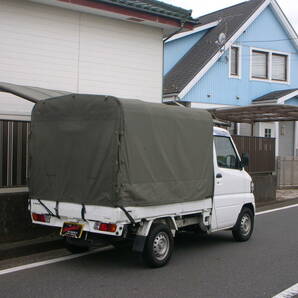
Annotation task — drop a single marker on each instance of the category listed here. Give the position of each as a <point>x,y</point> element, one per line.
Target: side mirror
<point>244,160</point>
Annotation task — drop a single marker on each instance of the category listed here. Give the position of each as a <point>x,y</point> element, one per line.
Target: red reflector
<point>103,227</point>
<point>40,217</point>
<point>108,227</point>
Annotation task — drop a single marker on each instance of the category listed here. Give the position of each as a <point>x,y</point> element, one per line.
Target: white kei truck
<point>125,170</point>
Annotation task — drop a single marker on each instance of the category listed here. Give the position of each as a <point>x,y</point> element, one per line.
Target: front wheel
<point>244,225</point>
<point>159,246</point>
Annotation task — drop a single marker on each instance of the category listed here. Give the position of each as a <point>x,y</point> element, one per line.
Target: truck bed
<point>71,211</point>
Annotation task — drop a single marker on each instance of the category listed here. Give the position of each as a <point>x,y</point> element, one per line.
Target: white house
<point>102,47</point>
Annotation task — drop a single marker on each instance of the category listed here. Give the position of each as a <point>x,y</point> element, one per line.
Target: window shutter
<point>279,67</point>
<point>259,65</point>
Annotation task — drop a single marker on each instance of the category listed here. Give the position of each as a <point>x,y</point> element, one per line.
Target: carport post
<point>295,138</point>
<point>276,138</point>
<point>252,129</point>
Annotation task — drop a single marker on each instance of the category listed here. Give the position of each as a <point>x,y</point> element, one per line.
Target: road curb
<point>262,206</point>
<point>27,247</point>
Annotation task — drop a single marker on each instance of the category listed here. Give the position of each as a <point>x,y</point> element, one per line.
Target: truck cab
<point>233,187</point>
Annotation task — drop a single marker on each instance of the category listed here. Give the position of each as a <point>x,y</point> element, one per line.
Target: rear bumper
<point>88,226</point>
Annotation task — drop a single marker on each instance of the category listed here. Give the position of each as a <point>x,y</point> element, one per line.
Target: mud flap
<point>139,243</point>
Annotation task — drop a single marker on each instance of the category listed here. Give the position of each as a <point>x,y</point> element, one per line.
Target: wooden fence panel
<point>261,153</point>
<point>13,153</point>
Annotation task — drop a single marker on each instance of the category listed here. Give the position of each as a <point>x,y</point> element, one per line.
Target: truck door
<point>229,182</point>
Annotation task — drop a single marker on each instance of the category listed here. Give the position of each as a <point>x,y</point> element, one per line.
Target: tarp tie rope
<point>57,209</point>
<point>83,212</point>
<point>45,207</point>
<point>128,215</point>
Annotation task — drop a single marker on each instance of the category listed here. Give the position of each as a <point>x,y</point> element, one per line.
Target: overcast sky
<point>201,7</point>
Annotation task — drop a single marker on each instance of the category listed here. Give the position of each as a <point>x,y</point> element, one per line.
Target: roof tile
<point>274,95</point>
<point>154,6</point>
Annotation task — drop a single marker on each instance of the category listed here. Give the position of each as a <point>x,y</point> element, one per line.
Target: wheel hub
<point>245,224</point>
<point>161,245</point>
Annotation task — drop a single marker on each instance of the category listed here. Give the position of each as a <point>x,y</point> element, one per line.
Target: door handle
<point>219,175</point>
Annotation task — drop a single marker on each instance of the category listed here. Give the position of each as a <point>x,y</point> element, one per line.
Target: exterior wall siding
<point>62,49</point>
<point>176,49</point>
<point>216,87</point>
<point>120,58</point>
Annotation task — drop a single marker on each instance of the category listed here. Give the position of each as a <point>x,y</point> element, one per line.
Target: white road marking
<point>288,293</point>
<point>61,259</point>
<point>56,260</point>
<point>277,209</point>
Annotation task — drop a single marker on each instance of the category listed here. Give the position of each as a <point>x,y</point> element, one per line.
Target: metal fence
<point>287,171</point>
<point>261,153</point>
<point>13,153</point>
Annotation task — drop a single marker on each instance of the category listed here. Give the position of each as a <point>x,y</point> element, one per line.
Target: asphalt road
<point>212,266</point>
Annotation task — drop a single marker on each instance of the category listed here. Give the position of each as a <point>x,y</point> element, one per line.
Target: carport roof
<point>246,114</point>
<point>257,113</point>
<point>33,94</point>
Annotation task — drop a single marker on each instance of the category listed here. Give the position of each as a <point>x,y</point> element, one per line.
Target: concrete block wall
<point>265,187</point>
<point>287,172</point>
<point>15,221</point>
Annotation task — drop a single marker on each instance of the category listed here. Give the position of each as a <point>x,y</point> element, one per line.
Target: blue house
<point>242,55</point>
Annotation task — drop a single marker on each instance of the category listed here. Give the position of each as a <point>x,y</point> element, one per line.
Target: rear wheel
<point>159,246</point>
<point>244,227</point>
<point>75,247</point>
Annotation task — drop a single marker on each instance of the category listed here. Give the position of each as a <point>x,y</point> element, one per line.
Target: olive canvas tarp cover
<point>101,150</point>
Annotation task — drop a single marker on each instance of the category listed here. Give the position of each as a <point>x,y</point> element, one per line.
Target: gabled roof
<point>231,20</point>
<point>274,96</point>
<point>155,7</point>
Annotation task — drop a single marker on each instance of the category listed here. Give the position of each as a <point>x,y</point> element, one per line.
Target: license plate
<point>72,229</point>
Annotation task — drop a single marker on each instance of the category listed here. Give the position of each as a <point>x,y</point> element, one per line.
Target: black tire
<point>244,226</point>
<point>159,246</point>
<point>71,246</point>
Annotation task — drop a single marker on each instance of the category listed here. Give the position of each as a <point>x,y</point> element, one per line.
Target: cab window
<point>225,153</point>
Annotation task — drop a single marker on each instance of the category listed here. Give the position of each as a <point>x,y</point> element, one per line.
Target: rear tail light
<point>105,227</point>
<point>41,217</point>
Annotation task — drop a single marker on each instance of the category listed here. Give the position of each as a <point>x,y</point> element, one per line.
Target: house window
<point>279,67</point>
<point>260,65</point>
<point>235,61</point>
<point>269,65</point>
<point>267,133</point>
